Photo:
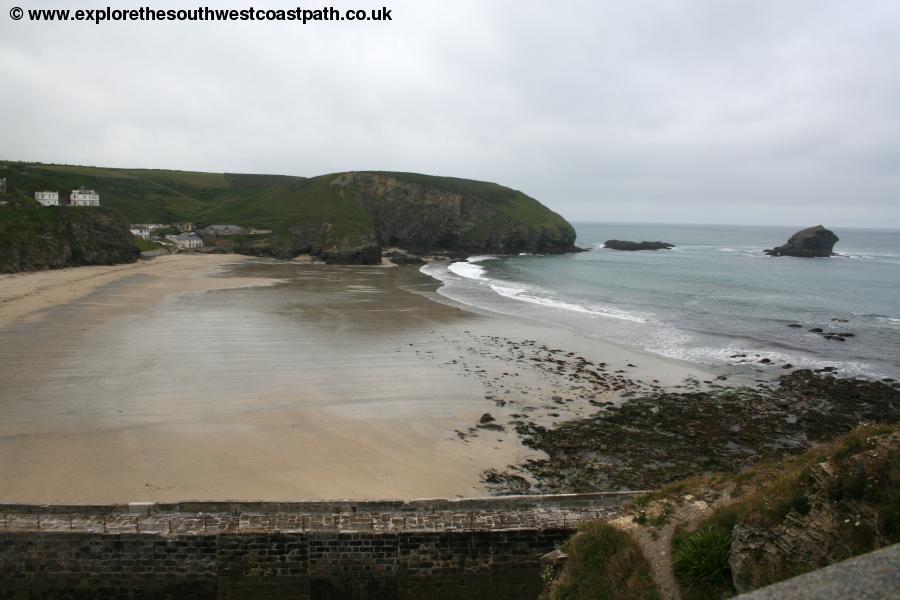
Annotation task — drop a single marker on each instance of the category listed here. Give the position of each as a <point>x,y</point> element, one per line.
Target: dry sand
<point>225,377</point>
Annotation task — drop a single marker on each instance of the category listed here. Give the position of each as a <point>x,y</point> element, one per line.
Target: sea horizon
<point>575,222</point>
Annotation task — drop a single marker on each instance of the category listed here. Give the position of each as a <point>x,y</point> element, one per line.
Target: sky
<point>691,111</point>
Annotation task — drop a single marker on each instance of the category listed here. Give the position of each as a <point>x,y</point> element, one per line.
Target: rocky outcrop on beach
<point>655,439</point>
<point>812,242</point>
<point>635,246</point>
<point>52,238</point>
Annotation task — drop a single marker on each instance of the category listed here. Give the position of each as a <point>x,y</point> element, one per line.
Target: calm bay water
<point>714,296</point>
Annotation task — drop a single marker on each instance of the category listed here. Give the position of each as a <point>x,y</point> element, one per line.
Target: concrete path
<point>873,576</point>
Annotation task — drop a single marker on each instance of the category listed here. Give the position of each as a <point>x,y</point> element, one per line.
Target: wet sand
<point>226,377</point>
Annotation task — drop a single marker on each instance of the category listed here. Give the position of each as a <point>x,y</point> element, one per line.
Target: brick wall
<point>494,564</point>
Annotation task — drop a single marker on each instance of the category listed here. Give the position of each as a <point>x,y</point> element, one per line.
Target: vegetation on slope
<point>347,216</point>
<point>827,505</point>
<point>729,534</point>
<point>604,563</point>
<point>147,245</point>
<point>51,238</point>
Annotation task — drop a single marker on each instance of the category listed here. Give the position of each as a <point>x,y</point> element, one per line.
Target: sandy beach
<point>228,377</point>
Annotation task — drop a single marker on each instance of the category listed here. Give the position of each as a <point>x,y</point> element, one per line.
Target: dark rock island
<point>634,246</point>
<point>812,242</point>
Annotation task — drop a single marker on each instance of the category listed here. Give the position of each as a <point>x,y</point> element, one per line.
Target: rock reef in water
<point>635,246</point>
<point>813,242</point>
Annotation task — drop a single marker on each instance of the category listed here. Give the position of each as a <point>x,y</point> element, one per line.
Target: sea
<point>714,299</point>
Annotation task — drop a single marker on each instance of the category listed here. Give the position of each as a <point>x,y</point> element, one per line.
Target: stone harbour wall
<point>435,549</point>
<point>491,564</point>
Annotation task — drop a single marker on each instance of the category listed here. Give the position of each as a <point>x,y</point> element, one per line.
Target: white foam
<point>723,355</point>
<point>526,295</point>
<point>888,319</point>
<point>481,258</point>
<point>467,270</point>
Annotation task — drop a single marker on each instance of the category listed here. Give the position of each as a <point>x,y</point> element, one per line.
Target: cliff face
<point>340,218</point>
<point>430,213</point>
<point>349,218</point>
<point>844,507</point>
<point>53,238</point>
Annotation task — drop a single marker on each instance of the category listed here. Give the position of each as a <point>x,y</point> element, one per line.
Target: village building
<point>224,230</point>
<point>186,241</point>
<point>184,227</point>
<point>140,231</point>
<point>47,198</point>
<point>2,185</point>
<point>83,197</point>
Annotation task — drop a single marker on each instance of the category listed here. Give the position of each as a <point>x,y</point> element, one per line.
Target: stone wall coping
<point>332,506</point>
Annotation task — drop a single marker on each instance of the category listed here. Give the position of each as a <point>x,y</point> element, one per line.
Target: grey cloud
<point>696,111</point>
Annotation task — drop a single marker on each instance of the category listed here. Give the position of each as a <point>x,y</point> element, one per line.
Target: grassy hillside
<point>144,195</point>
<point>350,216</point>
<point>51,238</point>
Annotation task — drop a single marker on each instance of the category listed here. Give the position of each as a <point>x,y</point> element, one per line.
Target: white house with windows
<point>186,241</point>
<point>140,231</point>
<point>47,198</point>
<point>83,197</point>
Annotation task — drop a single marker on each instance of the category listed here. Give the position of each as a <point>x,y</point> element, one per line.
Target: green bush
<point>700,561</point>
<point>604,564</point>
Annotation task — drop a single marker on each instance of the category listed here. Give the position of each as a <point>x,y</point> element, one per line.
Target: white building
<point>47,198</point>
<point>2,184</point>
<point>141,231</point>
<point>83,197</point>
<point>186,241</point>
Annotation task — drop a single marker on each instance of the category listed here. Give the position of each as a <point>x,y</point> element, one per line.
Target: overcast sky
<point>704,111</point>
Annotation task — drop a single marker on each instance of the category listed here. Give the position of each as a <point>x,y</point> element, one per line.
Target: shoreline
<point>744,374</point>
<point>307,385</point>
<point>231,377</point>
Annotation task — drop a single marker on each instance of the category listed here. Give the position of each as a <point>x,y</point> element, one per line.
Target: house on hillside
<point>224,230</point>
<point>184,227</point>
<point>140,231</point>
<point>47,198</point>
<point>186,241</point>
<point>83,197</point>
<point>2,185</point>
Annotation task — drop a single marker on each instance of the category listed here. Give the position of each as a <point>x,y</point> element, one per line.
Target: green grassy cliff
<point>345,217</point>
<point>51,238</point>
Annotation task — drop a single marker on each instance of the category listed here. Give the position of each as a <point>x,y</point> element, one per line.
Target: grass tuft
<point>604,564</point>
<point>700,561</point>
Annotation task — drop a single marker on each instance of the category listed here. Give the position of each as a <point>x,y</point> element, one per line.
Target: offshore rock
<point>813,242</point>
<point>635,246</point>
